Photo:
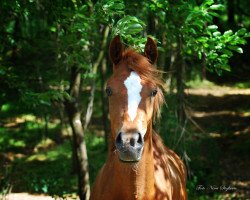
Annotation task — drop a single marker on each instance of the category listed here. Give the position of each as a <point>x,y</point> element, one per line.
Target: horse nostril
<point>119,138</point>
<point>140,141</point>
<point>132,142</point>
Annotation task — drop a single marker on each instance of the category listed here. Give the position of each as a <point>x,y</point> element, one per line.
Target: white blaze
<point>133,85</point>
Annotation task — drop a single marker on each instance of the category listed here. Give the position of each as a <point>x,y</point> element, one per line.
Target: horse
<point>138,165</point>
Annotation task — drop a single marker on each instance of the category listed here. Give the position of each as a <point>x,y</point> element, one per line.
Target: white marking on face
<point>133,85</point>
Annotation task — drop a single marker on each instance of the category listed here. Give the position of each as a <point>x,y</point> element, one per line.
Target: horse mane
<point>141,65</point>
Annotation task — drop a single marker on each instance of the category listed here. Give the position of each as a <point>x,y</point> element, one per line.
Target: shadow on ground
<point>225,119</point>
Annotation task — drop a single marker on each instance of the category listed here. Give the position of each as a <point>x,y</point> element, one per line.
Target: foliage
<point>190,29</point>
<point>41,41</point>
<point>70,38</point>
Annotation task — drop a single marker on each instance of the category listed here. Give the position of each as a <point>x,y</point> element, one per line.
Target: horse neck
<point>137,178</point>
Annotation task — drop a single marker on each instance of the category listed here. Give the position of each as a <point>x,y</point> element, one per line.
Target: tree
<point>53,54</point>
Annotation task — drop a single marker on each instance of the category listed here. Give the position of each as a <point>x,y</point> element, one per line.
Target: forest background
<point>54,64</point>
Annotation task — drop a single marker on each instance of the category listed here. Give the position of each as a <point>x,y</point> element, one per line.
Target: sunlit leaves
<point>217,7</point>
<point>216,33</point>
<point>212,27</point>
<point>128,25</point>
<point>106,10</point>
<point>228,33</point>
<point>130,28</point>
<point>235,48</point>
<point>203,38</point>
<point>241,32</point>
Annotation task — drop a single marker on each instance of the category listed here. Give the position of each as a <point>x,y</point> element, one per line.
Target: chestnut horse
<point>138,166</point>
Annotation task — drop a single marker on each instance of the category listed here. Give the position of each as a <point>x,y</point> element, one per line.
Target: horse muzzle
<point>129,146</point>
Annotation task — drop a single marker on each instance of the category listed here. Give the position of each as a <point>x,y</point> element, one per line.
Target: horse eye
<point>108,91</point>
<point>153,93</point>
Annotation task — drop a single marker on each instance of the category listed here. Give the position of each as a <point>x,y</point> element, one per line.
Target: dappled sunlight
<point>10,156</point>
<point>62,151</point>
<point>222,113</point>
<point>220,109</point>
<point>217,91</point>
<point>27,196</point>
<point>45,144</point>
<point>244,131</point>
<point>216,113</point>
<point>243,185</point>
<point>26,133</point>
<point>215,135</point>
<point>30,153</point>
<point>38,157</point>
<point>31,121</point>
<point>40,172</point>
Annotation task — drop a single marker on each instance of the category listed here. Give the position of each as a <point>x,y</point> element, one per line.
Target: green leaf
<point>242,31</point>
<point>128,25</point>
<point>119,6</point>
<point>247,34</point>
<point>239,50</point>
<point>46,103</point>
<point>212,27</point>
<point>134,28</point>
<point>53,29</point>
<point>227,52</point>
<point>192,31</point>
<point>226,67</point>
<point>202,39</point>
<point>199,55</point>
<point>207,2</point>
<point>212,56</point>
<point>217,7</point>
<point>228,33</point>
<point>235,48</point>
<point>216,33</point>
<point>224,56</point>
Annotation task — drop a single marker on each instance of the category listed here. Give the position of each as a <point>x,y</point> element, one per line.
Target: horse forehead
<point>134,87</point>
<point>133,81</point>
<point>118,77</point>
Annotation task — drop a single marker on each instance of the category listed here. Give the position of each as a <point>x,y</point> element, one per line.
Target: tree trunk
<point>180,79</point>
<point>80,159</point>
<point>104,102</point>
<point>79,150</point>
<point>94,71</point>
<point>89,111</point>
<point>180,93</point>
<point>170,70</point>
<point>162,55</point>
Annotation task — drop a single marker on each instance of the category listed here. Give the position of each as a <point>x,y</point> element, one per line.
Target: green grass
<point>198,83</point>
<point>45,172</point>
<point>242,85</point>
<point>96,154</point>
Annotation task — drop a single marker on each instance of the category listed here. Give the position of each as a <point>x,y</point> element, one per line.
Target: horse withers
<point>138,165</point>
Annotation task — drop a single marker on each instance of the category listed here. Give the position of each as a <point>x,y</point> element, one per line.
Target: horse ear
<point>150,50</point>
<point>115,50</point>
